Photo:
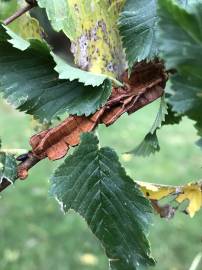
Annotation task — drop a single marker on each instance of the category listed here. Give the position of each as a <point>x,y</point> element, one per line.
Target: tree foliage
<point>91,62</point>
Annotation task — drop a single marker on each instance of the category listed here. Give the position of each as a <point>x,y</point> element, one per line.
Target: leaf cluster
<point>67,58</point>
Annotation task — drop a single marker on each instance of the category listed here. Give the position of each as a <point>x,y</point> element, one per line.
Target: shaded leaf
<point>150,143</point>
<point>180,39</point>
<point>161,116</point>
<point>171,117</point>
<point>148,146</point>
<point>92,182</point>
<point>29,82</point>
<point>138,25</point>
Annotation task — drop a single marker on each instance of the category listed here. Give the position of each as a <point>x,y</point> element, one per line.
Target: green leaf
<point>180,39</point>
<point>17,41</point>
<point>67,70</point>
<point>171,117</point>
<point>150,143</point>
<point>29,82</point>
<point>148,146</point>
<point>59,15</point>
<point>92,182</point>
<point>161,116</point>
<point>138,25</point>
<point>8,167</point>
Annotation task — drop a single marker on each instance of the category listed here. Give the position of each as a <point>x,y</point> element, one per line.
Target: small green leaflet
<point>180,42</point>
<point>161,115</point>
<point>150,143</point>
<point>29,82</point>
<point>148,146</point>
<point>92,182</point>
<point>138,25</point>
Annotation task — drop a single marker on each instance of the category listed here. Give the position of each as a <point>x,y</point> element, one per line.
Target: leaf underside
<point>92,182</point>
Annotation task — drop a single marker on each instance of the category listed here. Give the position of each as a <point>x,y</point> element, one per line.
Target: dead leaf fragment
<point>144,86</point>
<point>54,143</point>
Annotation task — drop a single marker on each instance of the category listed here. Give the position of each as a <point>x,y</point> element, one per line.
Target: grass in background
<point>36,235</point>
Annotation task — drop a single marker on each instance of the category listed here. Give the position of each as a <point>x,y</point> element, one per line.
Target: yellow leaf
<point>155,191</point>
<point>191,192</point>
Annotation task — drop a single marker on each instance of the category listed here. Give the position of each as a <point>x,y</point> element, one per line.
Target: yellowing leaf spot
<point>96,43</point>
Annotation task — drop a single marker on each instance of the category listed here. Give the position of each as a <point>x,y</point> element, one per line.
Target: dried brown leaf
<point>145,85</point>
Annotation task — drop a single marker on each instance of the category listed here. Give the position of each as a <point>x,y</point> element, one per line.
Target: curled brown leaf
<point>146,84</point>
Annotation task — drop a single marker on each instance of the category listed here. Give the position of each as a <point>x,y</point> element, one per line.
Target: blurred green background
<point>35,234</point>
